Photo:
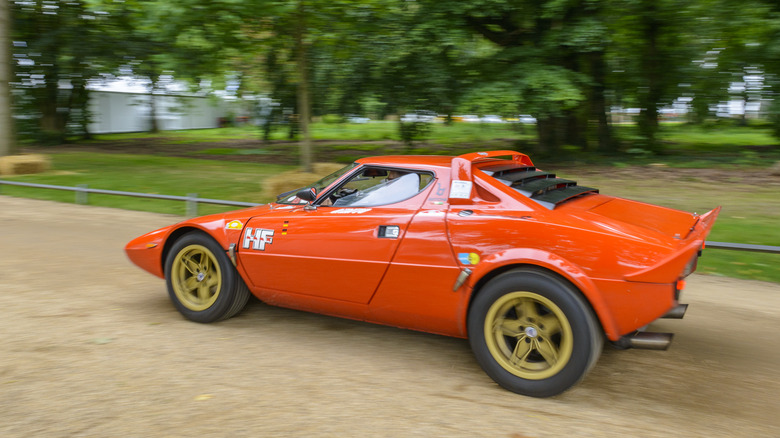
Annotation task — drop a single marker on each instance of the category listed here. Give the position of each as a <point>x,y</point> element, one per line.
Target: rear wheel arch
<point>590,296</point>
<point>548,315</point>
<point>485,279</point>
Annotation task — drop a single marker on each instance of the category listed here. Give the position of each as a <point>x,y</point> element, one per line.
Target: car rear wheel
<point>533,333</point>
<point>202,283</point>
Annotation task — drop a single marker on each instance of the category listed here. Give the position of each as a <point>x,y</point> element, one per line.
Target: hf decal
<point>258,238</point>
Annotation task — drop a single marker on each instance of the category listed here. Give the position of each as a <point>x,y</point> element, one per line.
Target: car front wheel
<point>202,283</point>
<point>533,333</point>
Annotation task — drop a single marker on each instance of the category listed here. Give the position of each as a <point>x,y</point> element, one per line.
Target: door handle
<point>388,232</point>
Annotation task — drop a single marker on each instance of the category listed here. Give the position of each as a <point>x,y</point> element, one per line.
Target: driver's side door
<point>332,251</point>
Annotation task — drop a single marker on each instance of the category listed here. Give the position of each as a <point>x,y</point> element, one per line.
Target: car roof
<point>441,162</point>
<point>420,161</point>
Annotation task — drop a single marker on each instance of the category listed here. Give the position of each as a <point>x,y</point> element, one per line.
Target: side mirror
<point>308,194</point>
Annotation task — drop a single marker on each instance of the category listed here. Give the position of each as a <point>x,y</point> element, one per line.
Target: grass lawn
<point>375,131</point>
<point>751,211</point>
<point>688,146</point>
<point>149,174</point>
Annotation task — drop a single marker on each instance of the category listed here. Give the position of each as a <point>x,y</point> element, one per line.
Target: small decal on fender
<point>468,258</point>
<point>258,238</point>
<point>351,210</point>
<point>234,225</point>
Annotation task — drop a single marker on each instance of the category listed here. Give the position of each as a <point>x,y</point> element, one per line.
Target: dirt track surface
<point>91,346</point>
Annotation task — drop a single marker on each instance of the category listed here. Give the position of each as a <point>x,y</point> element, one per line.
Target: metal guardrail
<point>192,201</point>
<point>743,247</point>
<point>82,192</point>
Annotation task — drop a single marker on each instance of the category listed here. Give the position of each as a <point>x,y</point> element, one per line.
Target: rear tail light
<point>678,288</point>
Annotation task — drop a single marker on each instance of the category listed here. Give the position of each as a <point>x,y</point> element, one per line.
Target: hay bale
<point>775,169</point>
<point>24,164</point>
<point>294,179</point>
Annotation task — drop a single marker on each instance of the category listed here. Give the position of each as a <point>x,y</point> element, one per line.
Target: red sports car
<point>533,269</point>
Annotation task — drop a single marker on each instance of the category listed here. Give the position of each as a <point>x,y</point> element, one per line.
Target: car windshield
<point>290,197</point>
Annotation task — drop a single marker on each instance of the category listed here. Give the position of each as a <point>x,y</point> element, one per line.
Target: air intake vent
<point>543,187</point>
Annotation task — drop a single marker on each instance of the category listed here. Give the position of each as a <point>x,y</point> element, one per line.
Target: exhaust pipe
<point>646,341</point>
<point>676,312</point>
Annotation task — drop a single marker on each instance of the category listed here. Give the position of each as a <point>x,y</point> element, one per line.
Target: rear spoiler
<point>461,174</point>
<point>461,165</point>
<point>669,269</point>
<point>703,223</point>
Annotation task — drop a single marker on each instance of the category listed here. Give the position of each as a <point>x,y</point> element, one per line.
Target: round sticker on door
<point>468,258</point>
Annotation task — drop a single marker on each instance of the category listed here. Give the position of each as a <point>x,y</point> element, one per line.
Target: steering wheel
<point>342,193</point>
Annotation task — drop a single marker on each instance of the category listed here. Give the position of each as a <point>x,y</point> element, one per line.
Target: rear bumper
<point>630,306</point>
<point>652,340</point>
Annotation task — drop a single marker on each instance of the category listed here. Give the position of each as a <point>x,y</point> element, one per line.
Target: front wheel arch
<point>202,282</point>
<point>171,240</point>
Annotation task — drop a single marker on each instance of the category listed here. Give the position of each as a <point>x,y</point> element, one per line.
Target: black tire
<point>202,282</point>
<point>533,333</point>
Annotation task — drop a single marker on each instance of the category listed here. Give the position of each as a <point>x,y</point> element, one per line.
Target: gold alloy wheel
<point>196,277</point>
<point>528,335</point>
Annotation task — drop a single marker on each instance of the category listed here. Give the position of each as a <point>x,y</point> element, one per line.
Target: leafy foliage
<point>567,62</point>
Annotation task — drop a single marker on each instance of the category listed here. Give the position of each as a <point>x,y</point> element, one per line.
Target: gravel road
<point>91,346</point>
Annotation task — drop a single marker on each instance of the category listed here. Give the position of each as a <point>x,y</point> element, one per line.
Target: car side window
<point>374,187</point>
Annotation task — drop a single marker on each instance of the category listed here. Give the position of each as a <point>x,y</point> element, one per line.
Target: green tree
<point>7,141</point>
<point>654,48</point>
<point>762,44</point>
<point>297,41</point>
<point>59,47</point>
<point>187,40</point>
<point>549,55</point>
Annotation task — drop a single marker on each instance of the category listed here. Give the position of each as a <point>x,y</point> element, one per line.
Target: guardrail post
<point>192,204</point>
<point>81,194</point>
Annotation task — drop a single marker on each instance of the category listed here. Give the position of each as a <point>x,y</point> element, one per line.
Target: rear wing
<point>673,266</point>
<point>543,187</point>
<point>703,224</point>
<point>461,186</point>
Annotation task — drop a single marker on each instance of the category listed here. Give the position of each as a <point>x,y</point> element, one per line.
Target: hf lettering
<point>258,238</point>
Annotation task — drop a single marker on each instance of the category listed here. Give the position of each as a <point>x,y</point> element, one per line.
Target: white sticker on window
<point>460,189</point>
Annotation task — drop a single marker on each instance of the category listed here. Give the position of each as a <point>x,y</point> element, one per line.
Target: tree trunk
<point>53,118</point>
<point>304,113</point>
<point>7,143</point>
<point>575,127</point>
<point>81,101</point>
<point>651,68</point>
<point>549,135</point>
<point>599,106</point>
<point>152,113</point>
